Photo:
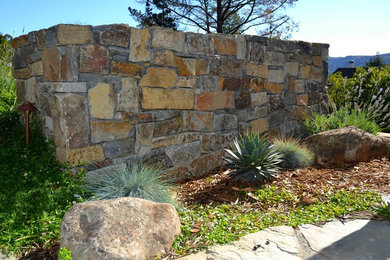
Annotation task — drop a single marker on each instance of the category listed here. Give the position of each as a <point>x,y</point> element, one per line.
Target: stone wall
<point>114,93</point>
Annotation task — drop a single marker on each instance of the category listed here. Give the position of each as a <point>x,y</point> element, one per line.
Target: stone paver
<point>355,239</point>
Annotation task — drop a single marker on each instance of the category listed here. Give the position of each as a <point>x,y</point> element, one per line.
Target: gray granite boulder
<point>123,228</point>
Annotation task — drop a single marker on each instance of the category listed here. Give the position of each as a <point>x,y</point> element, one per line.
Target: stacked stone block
<point>114,93</point>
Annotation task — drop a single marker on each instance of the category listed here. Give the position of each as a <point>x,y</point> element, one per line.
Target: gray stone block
<point>119,147</point>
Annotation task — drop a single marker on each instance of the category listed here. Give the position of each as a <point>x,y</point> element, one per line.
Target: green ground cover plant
<point>35,191</point>
<point>206,225</point>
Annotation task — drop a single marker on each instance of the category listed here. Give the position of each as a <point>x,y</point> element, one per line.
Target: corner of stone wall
<point>118,93</point>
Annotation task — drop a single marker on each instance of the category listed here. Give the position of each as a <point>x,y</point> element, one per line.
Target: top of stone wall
<point>185,43</point>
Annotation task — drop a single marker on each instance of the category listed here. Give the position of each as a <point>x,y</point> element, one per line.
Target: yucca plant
<point>253,158</point>
<point>137,180</point>
<point>294,154</point>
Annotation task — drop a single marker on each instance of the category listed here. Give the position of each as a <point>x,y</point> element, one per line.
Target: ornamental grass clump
<point>294,154</point>
<point>138,180</point>
<point>253,158</point>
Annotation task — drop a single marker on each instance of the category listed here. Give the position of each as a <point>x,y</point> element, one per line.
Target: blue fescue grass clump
<point>253,158</point>
<point>294,154</point>
<point>138,180</point>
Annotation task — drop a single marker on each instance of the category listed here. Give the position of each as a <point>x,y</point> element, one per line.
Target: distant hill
<point>360,61</point>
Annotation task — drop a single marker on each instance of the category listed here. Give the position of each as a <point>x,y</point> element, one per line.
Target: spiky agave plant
<point>253,158</point>
<point>137,180</point>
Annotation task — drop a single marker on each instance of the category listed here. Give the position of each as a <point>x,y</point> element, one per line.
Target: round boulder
<point>346,145</point>
<point>123,228</point>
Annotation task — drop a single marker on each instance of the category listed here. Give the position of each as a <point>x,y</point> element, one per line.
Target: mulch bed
<point>219,187</point>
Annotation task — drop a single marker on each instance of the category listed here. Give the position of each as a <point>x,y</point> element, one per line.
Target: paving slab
<point>357,239</point>
<point>336,240</point>
<point>271,243</point>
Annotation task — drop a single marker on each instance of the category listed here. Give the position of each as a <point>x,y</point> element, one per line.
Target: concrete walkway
<point>355,239</point>
<point>336,240</point>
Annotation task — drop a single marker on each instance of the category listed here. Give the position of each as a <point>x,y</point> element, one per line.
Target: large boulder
<point>346,145</point>
<point>123,228</point>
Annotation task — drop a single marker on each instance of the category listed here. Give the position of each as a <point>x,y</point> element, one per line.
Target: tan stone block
<point>156,98</point>
<point>139,39</point>
<point>158,77</point>
<point>259,125</point>
<point>168,39</point>
<point>207,163</point>
<point>317,61</point>
<point>214,100</point>
<point>198,121</point>
<point>164,58</point>
<point>164,141</point>
<point>302,100</point>
<point>186,82</point>
<point>305,72</point>
<point>51,59</point>
<point>177,173</point>
<point>128,96</point>
<point>225,45</point>
<point>144,133</point>
<point>310,72</point>
<point>274,87</point>
<point>109,130</point>
<point>80,155</point>
<point>299,86</point>
<point>301,113</point>
<point>126,69</point>
<point>256,70</point>
<point>37,68</point>
<point>71,126</point>
<point>257,85</point>
<point>102,101</point>
<point>190,66</point>
<point>24,73</point>
<point>73,34</point>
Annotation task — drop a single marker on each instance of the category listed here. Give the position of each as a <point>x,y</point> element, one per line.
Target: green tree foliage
<point>7,83</point>
<point>162,18</point>
<point>227,16</point>
<point>375,61</point>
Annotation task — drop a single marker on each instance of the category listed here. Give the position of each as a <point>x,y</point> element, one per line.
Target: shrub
<point>7,83</point>
<point>137,180</point>
<point>253,158</point>
<point>368,90</point>
<point>340,118</point>
<point>294,154</point>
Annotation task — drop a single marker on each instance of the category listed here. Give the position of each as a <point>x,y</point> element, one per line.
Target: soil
<point>219,187</point>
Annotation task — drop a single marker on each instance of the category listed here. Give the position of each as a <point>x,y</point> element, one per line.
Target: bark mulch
<point>219,187</point>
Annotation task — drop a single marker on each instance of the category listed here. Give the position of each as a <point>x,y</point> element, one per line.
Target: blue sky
<point>351,27</point>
